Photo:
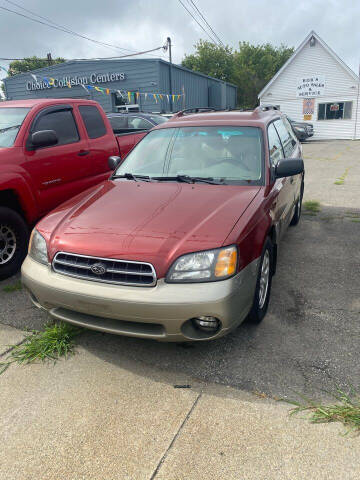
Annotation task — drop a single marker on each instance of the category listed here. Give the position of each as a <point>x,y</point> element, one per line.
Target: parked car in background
<point>134,122</point>
<point>50,150</point>
<point>181,242</point>
<point>303,130</point>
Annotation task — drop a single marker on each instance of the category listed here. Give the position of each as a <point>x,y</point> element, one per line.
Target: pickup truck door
<point>101,140</point>
<point>57,172</point>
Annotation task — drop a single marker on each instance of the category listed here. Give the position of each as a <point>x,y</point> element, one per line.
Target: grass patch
<point>311,207</point>
<point>355,220</point>
<point>55,341</point>
<point>346,410</point>
<point>341,180</point>
<point>13,287</point>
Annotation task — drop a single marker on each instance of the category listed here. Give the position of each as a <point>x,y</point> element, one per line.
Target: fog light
<point>207,324</point>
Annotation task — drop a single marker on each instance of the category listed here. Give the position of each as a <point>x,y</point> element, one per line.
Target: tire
<point>297,214</point>
<point>14,235</point>
<point>261,298</point>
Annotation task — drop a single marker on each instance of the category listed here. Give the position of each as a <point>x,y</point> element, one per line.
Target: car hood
<point>153,222</point>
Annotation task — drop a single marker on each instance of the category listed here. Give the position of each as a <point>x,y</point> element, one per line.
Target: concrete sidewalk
<point>87,418</point>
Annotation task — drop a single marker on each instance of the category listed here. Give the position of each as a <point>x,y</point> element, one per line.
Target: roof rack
<point>194,110</point>
<point>266,108</point>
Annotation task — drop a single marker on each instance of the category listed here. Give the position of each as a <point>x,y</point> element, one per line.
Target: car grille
<point>108,270</point>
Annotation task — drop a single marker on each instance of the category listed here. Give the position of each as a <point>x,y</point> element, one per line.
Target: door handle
<point>82,153</point>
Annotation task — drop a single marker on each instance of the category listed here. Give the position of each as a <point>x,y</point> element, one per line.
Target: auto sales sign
<point>310,86</point>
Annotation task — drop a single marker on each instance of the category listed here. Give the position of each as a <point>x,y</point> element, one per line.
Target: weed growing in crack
<point>57,340</point>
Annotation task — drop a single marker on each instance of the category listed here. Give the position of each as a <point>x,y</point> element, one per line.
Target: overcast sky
<point>143,24</point>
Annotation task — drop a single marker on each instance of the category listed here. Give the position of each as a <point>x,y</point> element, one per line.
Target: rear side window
<point>275,149</point>
<point>62,122</point>
<point>118,123</point>
<point>139,123</point>
<point>287,140</point>
<point>93,121</point>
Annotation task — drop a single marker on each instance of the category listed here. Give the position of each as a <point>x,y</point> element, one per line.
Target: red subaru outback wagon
<point>180,243</point>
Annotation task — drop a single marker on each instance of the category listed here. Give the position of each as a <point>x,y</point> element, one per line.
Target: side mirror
<point>287,167</point>
<point>113,162</point>
<point>44,138</point>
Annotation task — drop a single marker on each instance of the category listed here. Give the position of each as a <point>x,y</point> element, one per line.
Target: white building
<point>315,85</point>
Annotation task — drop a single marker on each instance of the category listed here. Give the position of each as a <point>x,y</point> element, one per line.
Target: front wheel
<point>13,242</point>
<point>263,284</point>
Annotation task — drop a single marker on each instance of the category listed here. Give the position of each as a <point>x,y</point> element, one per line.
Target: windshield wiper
<point>131,176</point>
<point>188,179</point>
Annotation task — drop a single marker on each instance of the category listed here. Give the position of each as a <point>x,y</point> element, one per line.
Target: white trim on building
<point>315,85</point>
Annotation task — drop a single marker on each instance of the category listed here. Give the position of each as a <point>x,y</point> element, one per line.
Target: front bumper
<point>163,312</point>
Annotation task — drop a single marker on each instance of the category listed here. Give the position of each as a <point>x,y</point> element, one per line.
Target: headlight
<point>38,248</point>
<point>207,266</point>
<point>300,129</point>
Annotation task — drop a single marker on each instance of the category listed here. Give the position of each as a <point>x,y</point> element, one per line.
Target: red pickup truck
<point>50,150</point>
<point>181,242</point>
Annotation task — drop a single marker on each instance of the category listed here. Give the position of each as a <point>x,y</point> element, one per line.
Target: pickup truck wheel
<point>297,213</point>
<point>263,284</point>
<point>13,242</point>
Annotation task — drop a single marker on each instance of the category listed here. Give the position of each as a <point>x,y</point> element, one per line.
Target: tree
<point>31,63</point>
<point>254,66</point>
<point>211,60</point>
<point>250,67</point>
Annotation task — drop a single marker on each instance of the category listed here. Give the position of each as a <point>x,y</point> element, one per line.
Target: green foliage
<point>211,60</point>
<point>13,287</point>
<point>31,63</point>
<point>250,67</point>
<point>254,67</point>
<point>312,207</point>
<point>57,340</point>
<point>346,410</point>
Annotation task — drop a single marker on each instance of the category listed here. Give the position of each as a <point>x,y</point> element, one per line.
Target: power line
<point>94,58</point>
<point>214,41</point>
<point>207,23</point>
<point>59,27</point>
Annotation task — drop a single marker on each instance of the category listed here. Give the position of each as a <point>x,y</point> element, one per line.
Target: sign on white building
<point>310,86</point>
<point>316,86</point>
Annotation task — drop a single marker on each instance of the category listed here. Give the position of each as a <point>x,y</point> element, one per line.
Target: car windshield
<point>229,154</point>
<point>157,119</point>
<point>11,120</point>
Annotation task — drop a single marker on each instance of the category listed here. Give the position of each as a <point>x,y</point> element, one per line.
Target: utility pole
<point>170,74</point>
<point>49,59</point>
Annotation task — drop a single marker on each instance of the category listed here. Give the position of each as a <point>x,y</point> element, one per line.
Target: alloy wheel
<point>264,278</point>
<point>7,244</point>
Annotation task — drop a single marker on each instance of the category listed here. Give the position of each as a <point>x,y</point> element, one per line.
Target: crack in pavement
<point>163,458</point>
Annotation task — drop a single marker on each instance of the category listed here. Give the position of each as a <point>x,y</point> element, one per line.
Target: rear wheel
<point>13,242</point>
<point>297,213</point>
<point>263,284</point>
